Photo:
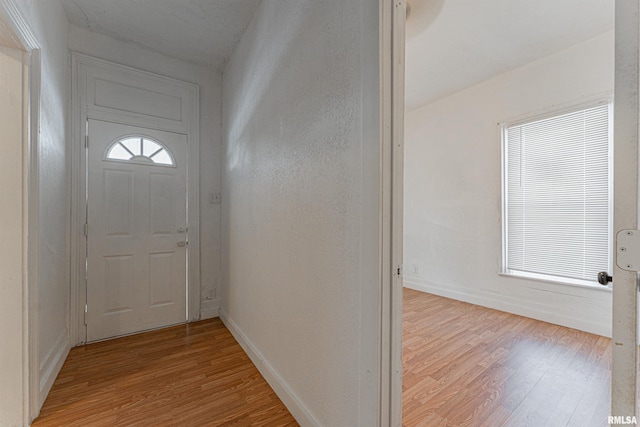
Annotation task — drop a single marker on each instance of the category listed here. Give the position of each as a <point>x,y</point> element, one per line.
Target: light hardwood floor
<point>466,365</point>
<point>188,375</point>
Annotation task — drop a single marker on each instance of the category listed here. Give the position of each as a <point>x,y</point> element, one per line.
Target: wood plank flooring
<point>188,375</point>
<point>465,365</point>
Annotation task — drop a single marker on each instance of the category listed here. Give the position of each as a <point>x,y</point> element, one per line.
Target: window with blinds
<point>557,199</point>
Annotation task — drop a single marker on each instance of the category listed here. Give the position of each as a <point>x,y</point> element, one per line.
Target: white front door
<point>136,229</point>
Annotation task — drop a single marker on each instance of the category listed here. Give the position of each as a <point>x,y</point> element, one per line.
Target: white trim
<point>19,26</point>
<point>284,391</point>
<point>392,53</point>
<point>567,281</point>
<point>37,397</point>
<point>560,110</point>
<point>52,363</point>
<point>193,133</point>
<point>16,23</point>
<point>532,309</point>
<point>76,231</point>
<point>83,69</point>
<point>209,309</point>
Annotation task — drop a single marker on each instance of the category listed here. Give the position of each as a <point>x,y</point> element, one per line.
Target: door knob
<point>604,278</point>
<point>181,244</point>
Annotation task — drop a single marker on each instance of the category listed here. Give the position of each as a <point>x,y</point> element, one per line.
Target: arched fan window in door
<point>140,149</point>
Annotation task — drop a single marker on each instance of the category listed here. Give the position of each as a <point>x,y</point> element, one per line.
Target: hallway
<point>186,375</point>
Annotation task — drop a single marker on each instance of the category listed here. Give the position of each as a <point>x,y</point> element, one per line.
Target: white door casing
<point>38,375</point>
<point>107,91</point>
<point>624,387</point>
<point>137,229</point>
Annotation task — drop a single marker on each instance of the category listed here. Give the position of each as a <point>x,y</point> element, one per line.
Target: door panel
<point>137,222</point>
<point>118,194</point>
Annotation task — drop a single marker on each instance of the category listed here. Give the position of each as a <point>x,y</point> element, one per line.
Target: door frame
<point>392,69</point>
<point>83,69</point>
<point>624,386</point>
<point>12,18</point>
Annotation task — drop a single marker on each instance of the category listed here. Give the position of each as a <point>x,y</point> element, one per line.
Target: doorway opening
<point>471,71</point>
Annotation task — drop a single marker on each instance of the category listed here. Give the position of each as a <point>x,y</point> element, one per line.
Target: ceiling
<point>199,31</point>
<point>453,44</point>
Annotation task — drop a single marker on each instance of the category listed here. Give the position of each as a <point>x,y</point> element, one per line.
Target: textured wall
<point>294,211</point>
<point>453,187</point>
<point>210,83</point>
<point>51,29</point>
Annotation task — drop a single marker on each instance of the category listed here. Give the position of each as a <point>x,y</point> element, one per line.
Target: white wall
<point>50,27</point>
<point>298,215</point>
<point>453,187</point>
<point>210,83</point>
<point>51,292</point>
<point>12,251</point>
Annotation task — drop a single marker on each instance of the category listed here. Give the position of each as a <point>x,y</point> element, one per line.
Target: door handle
<point>604,278</point>
<point>182,244</point>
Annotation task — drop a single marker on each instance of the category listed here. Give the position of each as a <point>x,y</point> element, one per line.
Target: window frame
<point>131,160</point>
<point>532,118</point>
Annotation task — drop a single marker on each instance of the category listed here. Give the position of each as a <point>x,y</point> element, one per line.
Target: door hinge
<point>86,141</point>
<point>86,229</point>
<point>86,310</point>
<point>628,250</point>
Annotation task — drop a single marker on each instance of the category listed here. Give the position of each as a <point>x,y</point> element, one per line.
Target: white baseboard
<point>534,310</point>
<point>209,308</point>
<point>293,403</point>
<point>52,364</point>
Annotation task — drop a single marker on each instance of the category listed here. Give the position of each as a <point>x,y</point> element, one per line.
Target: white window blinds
<point>557,195</point>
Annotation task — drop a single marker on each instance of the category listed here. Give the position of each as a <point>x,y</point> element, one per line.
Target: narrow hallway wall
<point>300,211</point>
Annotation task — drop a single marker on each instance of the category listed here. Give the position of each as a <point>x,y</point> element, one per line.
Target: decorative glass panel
<point>132,145</point>
<point>162,158</point>
<point>149,148</point>
<point>118,152</point>
<point>140,150</point>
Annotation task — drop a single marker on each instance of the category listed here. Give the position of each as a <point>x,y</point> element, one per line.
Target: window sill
<point>558,280</point>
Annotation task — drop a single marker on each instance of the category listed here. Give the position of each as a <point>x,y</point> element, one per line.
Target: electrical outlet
<point>415,269</point>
